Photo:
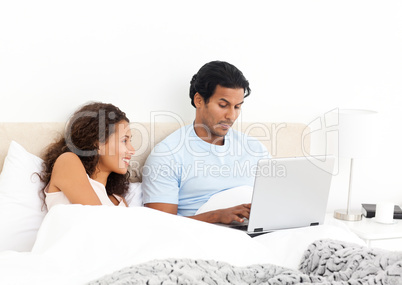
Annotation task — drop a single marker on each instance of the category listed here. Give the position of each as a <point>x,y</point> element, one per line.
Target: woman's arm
<point>70,177</point>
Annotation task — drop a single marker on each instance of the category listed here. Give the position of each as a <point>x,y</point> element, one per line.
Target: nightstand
<point>386,236</point>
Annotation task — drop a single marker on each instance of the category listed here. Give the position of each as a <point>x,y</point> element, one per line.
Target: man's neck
<point>206,135</point>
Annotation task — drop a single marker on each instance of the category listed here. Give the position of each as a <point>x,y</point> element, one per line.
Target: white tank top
<point>56,198</point>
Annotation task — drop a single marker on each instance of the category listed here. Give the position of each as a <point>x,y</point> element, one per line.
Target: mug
<point>384,213</point>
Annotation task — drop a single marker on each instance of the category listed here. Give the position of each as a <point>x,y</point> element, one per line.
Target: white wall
<point>302,58</point>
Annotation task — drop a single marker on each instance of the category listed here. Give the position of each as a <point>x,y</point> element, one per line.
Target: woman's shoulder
<point>68,160</point>
<point>68,157</point>
<point>67,170</point>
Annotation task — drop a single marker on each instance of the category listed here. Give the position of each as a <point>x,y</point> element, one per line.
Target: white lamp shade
<point>356,132</point>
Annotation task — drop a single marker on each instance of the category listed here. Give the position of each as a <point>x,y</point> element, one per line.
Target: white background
<point>302,58</point>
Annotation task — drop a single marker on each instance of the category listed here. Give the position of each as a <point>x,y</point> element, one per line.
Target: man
<point>204,158</point>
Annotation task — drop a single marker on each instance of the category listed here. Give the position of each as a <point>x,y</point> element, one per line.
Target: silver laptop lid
<point>290,193</point>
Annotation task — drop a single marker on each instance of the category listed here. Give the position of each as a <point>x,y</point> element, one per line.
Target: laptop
<point>289,193</point>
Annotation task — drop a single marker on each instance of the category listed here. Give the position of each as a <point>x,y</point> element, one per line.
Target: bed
<point>77,244</point>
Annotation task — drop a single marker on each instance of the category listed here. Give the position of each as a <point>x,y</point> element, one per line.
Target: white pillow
<point>227,198</point>
<point>21,208</point>
<point>134,195</point>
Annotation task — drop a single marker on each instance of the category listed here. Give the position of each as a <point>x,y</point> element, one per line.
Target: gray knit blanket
<point>325,262</point>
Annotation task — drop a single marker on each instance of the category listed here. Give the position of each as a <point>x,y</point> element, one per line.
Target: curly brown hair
<point>90,125</point>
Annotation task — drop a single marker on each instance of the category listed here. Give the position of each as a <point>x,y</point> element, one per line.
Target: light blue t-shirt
<point>185,170</point>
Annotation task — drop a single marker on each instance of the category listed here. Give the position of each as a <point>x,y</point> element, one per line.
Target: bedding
<point>227,198</point>
<point>21,208</point>
<point>77,244</point>
<point>324,262</point>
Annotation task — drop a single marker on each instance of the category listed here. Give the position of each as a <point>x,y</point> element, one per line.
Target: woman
<point>89,164</point>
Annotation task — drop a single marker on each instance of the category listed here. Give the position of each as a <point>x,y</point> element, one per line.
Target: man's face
<point>214,119</point>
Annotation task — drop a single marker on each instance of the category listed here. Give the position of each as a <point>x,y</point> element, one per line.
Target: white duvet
<point>77,244</point>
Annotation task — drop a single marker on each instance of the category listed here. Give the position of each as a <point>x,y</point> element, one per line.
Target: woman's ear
<point>198,100</point>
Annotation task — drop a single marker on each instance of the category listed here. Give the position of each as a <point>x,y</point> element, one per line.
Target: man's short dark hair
<point>217,73</point>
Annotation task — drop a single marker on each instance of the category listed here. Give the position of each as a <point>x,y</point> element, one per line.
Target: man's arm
<point>161,189</point>
<point>160,182</point>
<point>164,207</point>
<point>224,216</point>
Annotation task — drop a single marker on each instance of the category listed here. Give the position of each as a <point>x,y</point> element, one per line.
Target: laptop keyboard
<point>239,227</point>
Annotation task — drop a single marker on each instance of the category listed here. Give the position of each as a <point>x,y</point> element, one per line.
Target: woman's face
<point>116,153</point>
